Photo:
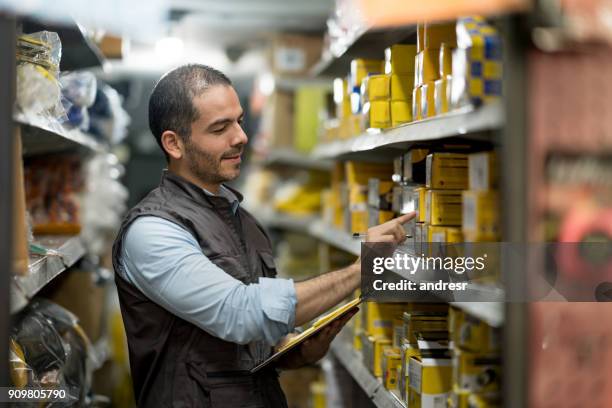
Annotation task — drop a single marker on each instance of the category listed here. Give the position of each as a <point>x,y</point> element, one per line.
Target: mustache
<point>233,153</point>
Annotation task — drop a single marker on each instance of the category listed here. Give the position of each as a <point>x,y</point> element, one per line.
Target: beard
<point>207,168</point>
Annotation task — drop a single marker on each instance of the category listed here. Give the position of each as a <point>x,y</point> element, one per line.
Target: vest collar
<point>196,192</point>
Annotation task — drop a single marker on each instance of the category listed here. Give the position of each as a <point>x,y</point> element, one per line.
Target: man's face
<point>213,152</point>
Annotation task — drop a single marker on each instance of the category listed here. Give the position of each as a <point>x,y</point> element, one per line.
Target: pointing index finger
<point>406,217</point>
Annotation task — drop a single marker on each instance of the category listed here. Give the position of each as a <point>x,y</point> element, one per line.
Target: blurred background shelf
<point>363,43</point>
<point>41,135</point>
<point>351,360</point>
<point>43,269</point>
<point>335,237</point>
<point>465,123</point>
<point>288,157</point>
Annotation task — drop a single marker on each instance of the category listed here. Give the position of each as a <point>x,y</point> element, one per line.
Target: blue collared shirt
<point>165,262</point>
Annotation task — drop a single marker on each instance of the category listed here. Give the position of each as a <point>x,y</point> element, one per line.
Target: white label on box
<point>479,171</point>
<point>290,59</point>
<point>374,192</point>
<point>414,375</point>
<point>434,400</point>
<point>469,212</point>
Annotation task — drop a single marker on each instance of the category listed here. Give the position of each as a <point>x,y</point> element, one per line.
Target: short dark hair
<point>171,102</point>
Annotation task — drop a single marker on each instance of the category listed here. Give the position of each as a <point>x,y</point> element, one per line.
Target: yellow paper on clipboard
<point>319,324</point>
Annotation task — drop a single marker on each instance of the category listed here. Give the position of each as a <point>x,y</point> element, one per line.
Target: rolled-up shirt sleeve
<point>165,262</point>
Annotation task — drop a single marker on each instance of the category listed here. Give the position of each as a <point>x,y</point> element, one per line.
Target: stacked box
<point>481,202</point>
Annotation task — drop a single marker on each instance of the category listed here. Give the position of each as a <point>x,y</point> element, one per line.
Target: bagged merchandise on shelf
<point>104,201</point>
<point>52,187</point>
<point>79,92</point>
<point>108,119</point>
<point>38,91</point>
<point>48,349</point>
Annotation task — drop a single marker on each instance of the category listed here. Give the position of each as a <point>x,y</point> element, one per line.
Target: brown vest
<point>173,362</point>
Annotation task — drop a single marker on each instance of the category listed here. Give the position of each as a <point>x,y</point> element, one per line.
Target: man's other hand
<point>314,348</point>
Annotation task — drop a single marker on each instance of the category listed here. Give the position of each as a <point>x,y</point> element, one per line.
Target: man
<point>195,270</point>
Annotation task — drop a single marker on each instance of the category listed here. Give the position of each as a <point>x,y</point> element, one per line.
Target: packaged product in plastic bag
<point>49,350</point>
<point>42,48</point>
<point>108,119</point>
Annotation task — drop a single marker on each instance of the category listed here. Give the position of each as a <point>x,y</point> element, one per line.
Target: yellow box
<point>482,171</point>
<point>406,352</point>
<point>458,398</point>
<point>399,59</point>
<point>401,87</point>
<point>481,214</point>
<point>420,321</point>
<point>341,99</point>
<point>428,102</point>
<point>438,237</point>
<point>417,70</point>
<point>447,171</point>
<point>422,213</point>
<point>430,379</point>
<point>471,334</point>
<point>416,103</point>
<point>359,222</point>
<point>384,216</point>
<point>443,207</point>
<point>376,88</point>
<point>398,331</point>
<point>401,112</point>
<point>391,361</point>
<point>378,114</point>
<point>360,68</point>
<point>318,393</point>
<point>476,372</point>
<point>373,348</point>
<point>437,34</point>
<point>360,172</point>
<point>428,65</point>
<point>441,94</point>
<point>378,317</point>
<point>446,60</point>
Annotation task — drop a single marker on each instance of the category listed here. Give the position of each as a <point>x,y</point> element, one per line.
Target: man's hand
<point>314,348</point>
<point>391,231</point>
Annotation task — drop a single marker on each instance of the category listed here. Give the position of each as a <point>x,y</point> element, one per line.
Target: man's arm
<point>319,294</point>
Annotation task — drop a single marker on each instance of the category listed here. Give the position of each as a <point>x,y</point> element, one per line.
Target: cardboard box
<point>378,114</point>
<point>373,348</point>
<point>399,59</point>
<point>278,119</point>
<point>446,60</point>
<point>360,172</point>
<point>391,361</point>
<point>309,102</point>
<point>376,88</point>
<point>414,166</point>
<point>447,171</point>
<point>482,171</point>
<point>481,214</point>
<point>380,193</point>
<point>416,103</point>
<point>295,55</point>
<point>443,207</point>
<point>476,372</point>
<point>401,87</point>
<point>439,237</point>
<point>401,112</point>
<point>406,352</point>
<point>361,68</point>
<point>341,98</point>
<point>424,321</point>
<point>471,334</point>
<point>441,95</point>
<point>430,381</point>
<point>422,211</point>
<point>429,65</point>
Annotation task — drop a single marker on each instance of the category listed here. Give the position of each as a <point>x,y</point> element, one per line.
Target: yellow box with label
<point>446,171</point>
<point>437,34</point>
<point>406,352</point>
<point>359,221</point>
<point>428,102</point>
<point>401,112</point>
<point>378,114</point>
<point>373,348</point>
<point>399,59</point>
<point>422,192</point>
<point>360,68</point>
<point>482,170</point>
<point>481,214</point>
<point>424,321</point>
<point>378,317</point>
<point>401,87</point>
<point>443,207</point>
<point>430,381</point>
<point>376,88</point>
<point>391,361</point>
<point>471,334</point>
<point>476,372</point>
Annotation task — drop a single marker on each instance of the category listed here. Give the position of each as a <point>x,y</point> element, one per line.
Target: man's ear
<point>173,144</point>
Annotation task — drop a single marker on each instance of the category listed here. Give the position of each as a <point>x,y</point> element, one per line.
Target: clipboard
<point>311,331</point>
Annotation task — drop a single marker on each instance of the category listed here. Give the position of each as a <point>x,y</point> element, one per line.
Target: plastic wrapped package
<point>108,119</point>
<point>104,202</point>
<point>48,349</point>
<point>42,48</point>
<point>79,93</point>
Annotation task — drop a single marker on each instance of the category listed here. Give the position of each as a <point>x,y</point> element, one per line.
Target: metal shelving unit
<point>351,360</point>
<point>43,135</point>
<point>466,122</point>
<point>43,269</point>
<point>289,157</point>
